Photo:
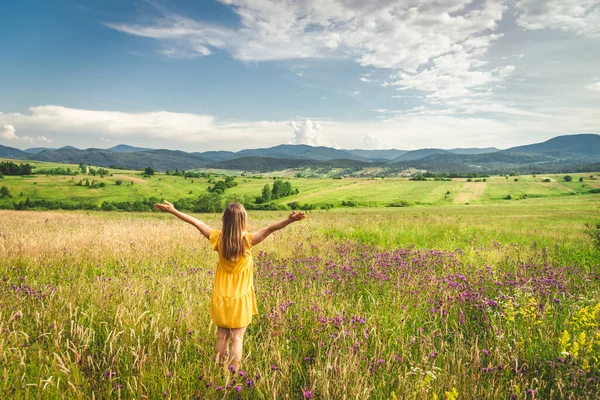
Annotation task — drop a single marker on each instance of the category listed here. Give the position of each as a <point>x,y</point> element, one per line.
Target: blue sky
<point>233,74</point>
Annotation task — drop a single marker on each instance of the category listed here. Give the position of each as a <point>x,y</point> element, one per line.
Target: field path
<point>335,189</point>
<point>131,178</point>
<point>470,191</point>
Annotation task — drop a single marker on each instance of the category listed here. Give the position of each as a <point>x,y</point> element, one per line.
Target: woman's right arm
<point>170,208</point>
<point>262,234</point>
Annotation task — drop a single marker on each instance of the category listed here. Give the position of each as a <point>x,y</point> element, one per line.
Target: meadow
<point>494,300</point>
<point>319,192</point>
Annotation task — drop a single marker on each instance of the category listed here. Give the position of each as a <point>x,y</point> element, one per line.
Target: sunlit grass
<point>371,303</point>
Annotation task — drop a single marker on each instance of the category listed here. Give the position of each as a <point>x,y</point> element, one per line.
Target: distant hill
<point>218,155</point>
<point>474,150</point>
<point>261,164</point>
<point>11,152</point>
<point>562,153</point>
<point>378,154</point>
<point>36,150</point>
<point>419,154</point>
<point>582,146</point>
<point>301,151</point>
<point>157,159</point>
<point>123,148</point>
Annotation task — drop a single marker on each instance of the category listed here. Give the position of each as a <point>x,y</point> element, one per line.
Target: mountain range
<point>576,152</point>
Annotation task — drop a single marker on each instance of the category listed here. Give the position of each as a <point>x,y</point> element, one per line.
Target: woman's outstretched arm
<point>170,208</point>
<point>259,236</point>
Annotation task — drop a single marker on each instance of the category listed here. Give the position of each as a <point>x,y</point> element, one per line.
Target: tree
<point>266,193</point>
<point>287,188</point>
<point>149,171</point>
<point>4,192</point>
<point>568,178</point>
<point>118,182</point>
<point>581,179</point>
<point>277,189</point>
<point>209,203</point>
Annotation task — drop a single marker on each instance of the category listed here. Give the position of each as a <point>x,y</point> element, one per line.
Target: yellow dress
<point>233,302</point>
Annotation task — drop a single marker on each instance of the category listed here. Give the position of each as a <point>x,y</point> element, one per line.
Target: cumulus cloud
<point>307,132</point>
<point>594,87</point>
<point>371,141</point>
<point>404,36</point>
<point>160,124</point>
<point>461,125</point>
<point>8,132</point>
<point>579,16</point>
<point>455,74</point>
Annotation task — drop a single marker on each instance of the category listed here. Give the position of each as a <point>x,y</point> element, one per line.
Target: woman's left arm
<point>170,208</point>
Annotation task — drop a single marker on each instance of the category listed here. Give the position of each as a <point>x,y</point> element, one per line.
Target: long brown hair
<point>234,227</point>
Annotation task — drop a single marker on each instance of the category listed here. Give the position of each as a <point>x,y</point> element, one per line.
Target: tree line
<point>10,168</point>
<point>280,189</point>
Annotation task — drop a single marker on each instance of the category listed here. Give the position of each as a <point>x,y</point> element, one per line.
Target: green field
<point>495,300</point>
<point>316,191</point>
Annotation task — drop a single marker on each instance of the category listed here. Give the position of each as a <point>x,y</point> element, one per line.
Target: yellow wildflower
<point>452,395</point>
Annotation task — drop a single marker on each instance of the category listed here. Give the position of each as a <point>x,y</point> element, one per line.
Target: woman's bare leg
<point>237,340</point>
<point>223,336</point>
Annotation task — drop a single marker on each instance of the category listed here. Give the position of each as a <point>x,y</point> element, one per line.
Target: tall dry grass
<point>116,306</point>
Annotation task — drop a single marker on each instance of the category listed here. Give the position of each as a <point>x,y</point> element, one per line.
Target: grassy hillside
<point>361,191</point>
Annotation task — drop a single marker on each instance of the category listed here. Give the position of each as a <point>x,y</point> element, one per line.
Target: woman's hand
<point>166,207</point>
<point>296,216</point>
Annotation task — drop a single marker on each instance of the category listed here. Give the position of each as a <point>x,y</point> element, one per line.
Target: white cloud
<point>594,87</point>
<point>8,133</point>
<point>460,125</point>
<point>435,47</point>
<point>37,139</point>
<point>455,74</point>
<point>159,124</point>
<point>579,16</point>
<point>307,132</point>
<point>404,36</point>
<point>371,141</point>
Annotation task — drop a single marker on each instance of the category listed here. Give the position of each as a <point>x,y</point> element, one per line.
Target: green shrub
<point>401,203</point>
<point>4,192</point>
<point>593,230</point>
